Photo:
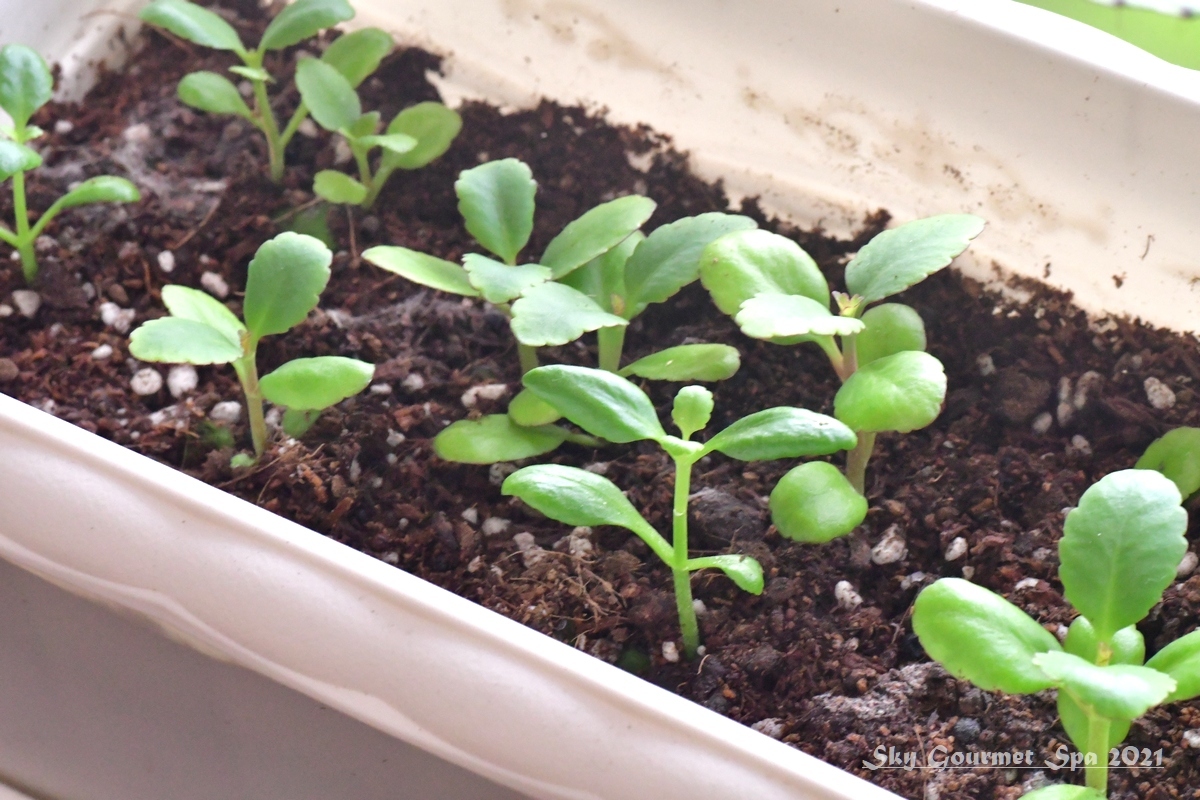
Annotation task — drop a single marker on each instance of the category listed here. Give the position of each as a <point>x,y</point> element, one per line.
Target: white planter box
<point>1076,147</point>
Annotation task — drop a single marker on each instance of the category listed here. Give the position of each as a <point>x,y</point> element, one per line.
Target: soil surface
<point>1042,402</point>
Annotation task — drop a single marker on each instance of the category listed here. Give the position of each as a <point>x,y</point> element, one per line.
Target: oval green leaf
<point>16,158</point>
<point>393,143</point>
<point>312,384</point>
<point>213,93</point>
<point>252,73</point>
<point>979,636</point>
<point>1127,645</point>
<point>1120,548</point>
<point>182,341</point>
<point>601,403</point>
<point>432,125</point>
<point>297,422</point>
<point>330,98</point>
<point>814,503</point>
<point>337,187</point>
<point>770,315</point>
<point>902,257</point>
<point>782,432</point>
<point>302,19</point>
<point>1181,660</point>
<point>741,265</point>
<point>358,54</point>
<point>692,409</point>
<point>603,278</point>
<point>190,21</point>
<point>744,571</point>
<point>436,273</point>
<point>495,438</point>
<point>25,83</point>
<point>528,410</point>
<point>901,392</point>
<point>187,303</point>
<point>284,282</point>
<point>1176,454</point>
<point>889,329</point>
<point>551,314</point>
<point>500,283</point>
<point>687,362</point>
<point>1115,692</point>
<point>496,202</point>
<point>101,189</point>
<point>595,233</point>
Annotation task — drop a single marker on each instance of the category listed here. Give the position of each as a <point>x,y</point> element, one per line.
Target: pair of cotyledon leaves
<point>1119,552</point>
<point>284,283</point>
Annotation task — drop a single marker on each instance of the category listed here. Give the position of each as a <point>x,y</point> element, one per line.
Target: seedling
<point>775,291</point>
<point>26,86</point>
<point>416,136</point>
<point>610,407</point>
<point>1176,454</point>
<point>283,284</point>
<point>1119,552</point>
<point>354,55</point>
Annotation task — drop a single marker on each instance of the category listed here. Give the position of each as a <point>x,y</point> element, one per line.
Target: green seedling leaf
<point>252,73</point>
<point>528,410</point>
<point>901,392</point>
<point>358,54</point>
<point>770,315</point>
<point>1181,660</point>
<point>242,461</point>
<point>1063,792</point>
<point>601,403</point>
<point>603,278</point>
<point>595,233</point>
<point>1176,454</point>
<point>297,422</point>
<point>213,93</point>
<point>687,362</point>
<point>182,341</point>
<point>101,189</point>
<point>692,409</point>
<point>494,438</point>
<point>902,257</point>
<point>16,158</point>
<point>302,20</point>
<point>330,98</point>
<point>669,258</point>
<point>979,636</point>
<point>433,126</point>
<point>500,283</point>
<point>1127,647</point>
<point>741,265</point>
<point>744,571</point>
<point>394,143</point>
<point>890,328</point>
<point>190,21</point>
<point>814,503</point>
<point>314,222</point>
<point>436,273</point>
<point>1116,692</point>
<point>496,201</point>
<point>1120,548</point>
<point>198,306</point>
<point>316,383</point>
<point>337,187</point>
<point>365,125</point>
<point>782,432</point>
<point>284,282</point>
<point>1075,722</point>
<point>551,314</point>
<point>25,83</point>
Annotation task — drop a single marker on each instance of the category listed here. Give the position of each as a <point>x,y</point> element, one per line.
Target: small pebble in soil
<point>1187,566</point>
<point>1063,414</point>
<point>102,352</point>
<point>381,388</point>
<point>966,730</point>
<point>531,552</point>
<point>117,318</point>
<point>699,607</point>
<point>1061,632</point>
<point>475,564</point>
<point>1042,422</point>
<point>578,546</point>
<point>45,245</point>
<point>1025,583</point>
<point>498,472</point>
<point>27,302</point>
<point>1080,446</point>
<point>986,365</point>
<point>215,285</point>
<point>395,438</point>
<point>173,415</point>
<point>891,547</point>
<point>956,549</point>
<point>308,128</point>
<point>146,381</point>
<point>1158,393</point>
<point>495,526</point>
<point>137,134</point>
<point>912,580</point>
<point>8,370</point>
<point>341,152</point>
<point>771,726</point>
<point>1086,388</point>
<point>487,391</point>
<point>47,405</point>
<point>63,126</point>
<point>89,291</point>
<point>226,411</point>
<point>597,467</point>
<point>847,598</point>
<point>181,379</point>
<point>414,382</point>
<point>1192,739</point>
<point>166,261</point>
<point>471,515</point>
<point>355,470</point>
<point>968,572</point>
<point>391,557</point>
<point>670,652</point>
<point>6,310</point>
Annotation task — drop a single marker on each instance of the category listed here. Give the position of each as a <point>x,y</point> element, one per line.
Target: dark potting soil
<point>1042,402</point>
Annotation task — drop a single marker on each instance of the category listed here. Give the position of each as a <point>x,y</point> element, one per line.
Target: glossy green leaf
<point>182,341</point>
<point>1127,645</point>
<point>692,409</point>
<point>187,303</point>
<point>1063,792</point>
<point>495,438</point>
<point>669,258</point>
<point>1116,692</point>
<point>529,410</point>
<point>1120,548</point>
<point>552,314</point>
<point>190,21</point>
<point>358,54</point>
<point>16,158</point>
<point>496,202</point>
<point>902,257</point>
<point>814,503</point>
<point>1181,660</point>
<point>252,73</point>
<point>312,221</point>
<point>338,187</point>
<point>303,19</point>
<point>687,362</point>
<point>330,98</point>
<point>782,432</point>
<point>603,278</point>
<point>1176,454</point>
<point>284,282</point>
<point>316,383</point>
<point>901,392</point>
<point>25,83</point>
<point>436,273</point>
<point>296,421</point>
<point>744,571</point>
<point>101,189</point>
<point>741,265</point>
<point>979,636</point>
<point>890,328</point>
<point>500,283</point>
<point>595,233</point>
<point>770,315</point>
<point>213,93</point>
<point>365,125</point>
<point>432,125</point>
<point>393,143</point>
<point>601,403</point>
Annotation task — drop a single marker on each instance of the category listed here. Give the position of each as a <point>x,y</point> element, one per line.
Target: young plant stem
<point>856,461</point>
<point>528,356</point>
<point>688,626</point>
<point>849,356</point>
<point>270,129</point>
<point>247,370</point>
<point>24,240</point>
<point>1096,775</point>
<point>376,186</point>
<point>293,125</point>
<point>364,167</point>
<point>612,342</point>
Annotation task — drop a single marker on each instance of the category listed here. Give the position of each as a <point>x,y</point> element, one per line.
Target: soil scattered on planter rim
<point>1042,402</point>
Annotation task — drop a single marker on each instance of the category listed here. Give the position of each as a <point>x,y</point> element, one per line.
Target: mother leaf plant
<point>283,284</point>
<point>608,406</point>
<point>1119,552</point>
<point>25,86</point>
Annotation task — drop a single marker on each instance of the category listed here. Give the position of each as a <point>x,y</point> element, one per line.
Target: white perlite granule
<point>1159,394</point>
<point>226,411</point>
<point>215,285</point>
<point>146,381</point>
<point>166,261</point>
<point>181,379</point>
<point>846,597</point>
